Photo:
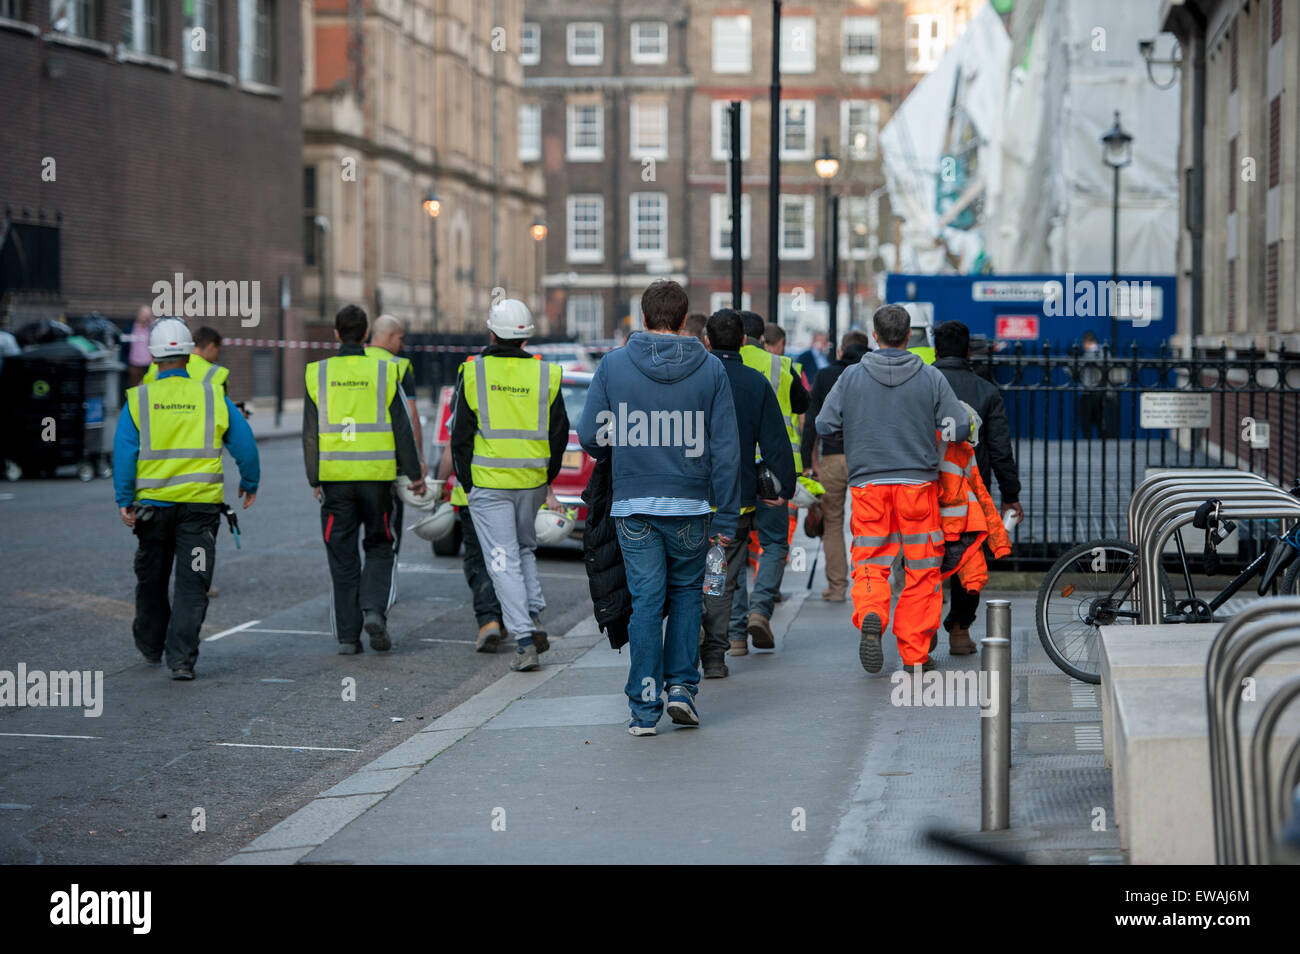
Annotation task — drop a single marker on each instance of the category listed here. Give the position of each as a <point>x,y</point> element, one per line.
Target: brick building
<point>160,137</point>
<point>626,115</point>
<point>402,99</point>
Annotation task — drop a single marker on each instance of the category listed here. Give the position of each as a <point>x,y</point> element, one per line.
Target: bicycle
<point>1094,584</point>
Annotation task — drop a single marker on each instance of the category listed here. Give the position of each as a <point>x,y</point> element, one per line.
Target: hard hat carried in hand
<point>425,501</point>
<point>170,338</point>
<point>807,492</point>
<point>510,318</point>
<point>553,526</point>
<point>438,525</point>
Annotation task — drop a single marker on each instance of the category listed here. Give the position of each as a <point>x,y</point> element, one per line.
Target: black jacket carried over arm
<point>611,600</point>
<point>994,450</point>
<point>465,424</point>
<point>408,455</point>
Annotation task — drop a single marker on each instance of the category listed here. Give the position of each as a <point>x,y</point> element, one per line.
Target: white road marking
<point>292,748</point>
<point>42,735</point>
<point>434,639</point>
<point>291,632</point>
<point>234,629</point>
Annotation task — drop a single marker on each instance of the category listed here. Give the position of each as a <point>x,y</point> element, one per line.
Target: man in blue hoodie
<point>662,408</point>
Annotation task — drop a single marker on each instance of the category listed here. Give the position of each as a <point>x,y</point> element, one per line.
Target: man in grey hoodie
<point>891,410</point>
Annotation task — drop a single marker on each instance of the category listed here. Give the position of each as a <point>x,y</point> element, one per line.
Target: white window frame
<point>530,44</point>
<point>854,209</point>
<point>721,142</point>
<point>872,109</point>
<point>803,60</point>
<point>142,26</point>
<point>720,216</point>
<point>726,55</point>
<point>574,58</point>
<point>584,255</point>
<point>635,251</point>
<point>580,326</point>
<point>720,300</point>
<point>209,22</point>
<point>584,153</point>
<point>642,29</point>
<point>924,53</point>
<point>806,152</point>
<point>859,27</point>
<point>530,147</point>
<point>636,108</point>
<point>80,14</point>
<point>804,253</point>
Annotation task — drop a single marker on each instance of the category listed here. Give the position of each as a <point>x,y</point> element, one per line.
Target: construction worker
<point>888,408</point>
<point>356,438</point>
<point>202,361</point>
<point>386,336</point>
<point>168,482</point>
<point>509,434</point>
<point>751,616</point>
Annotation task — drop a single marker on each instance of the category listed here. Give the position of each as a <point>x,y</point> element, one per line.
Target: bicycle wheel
<point>1092,585</point>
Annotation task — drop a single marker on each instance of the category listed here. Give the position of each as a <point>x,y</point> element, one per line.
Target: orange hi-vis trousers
<point>885,517</point>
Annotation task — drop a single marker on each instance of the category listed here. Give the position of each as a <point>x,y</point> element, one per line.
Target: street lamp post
<point>433,205</point>
<point>538,231</point>
<point>827,166</point>
<point>1117,152</point>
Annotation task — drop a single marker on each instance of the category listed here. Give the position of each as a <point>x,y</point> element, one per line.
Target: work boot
<point>715,669</point>
<point>377,629</point>
<point>351,649</point>
<point>738,647</point>
<point>833,595</point>
<point>869,652</point>
<point>489,635</point>
<point>760,632</point>
<point>926,666</point>
<point>525,659</point>
<point>959,641</point>
<point>540,639</point>
<point>184,674</point>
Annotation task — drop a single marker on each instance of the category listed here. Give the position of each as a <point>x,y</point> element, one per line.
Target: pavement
<point>800,758</point>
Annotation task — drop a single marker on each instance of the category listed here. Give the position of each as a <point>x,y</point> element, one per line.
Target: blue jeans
<point>664,560</point>
<point>773,525</point>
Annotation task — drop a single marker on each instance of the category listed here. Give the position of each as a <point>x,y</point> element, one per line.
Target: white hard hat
<point>438,525</point>
<point>426,501</point>
<point>170,338</point>
<point>807,492</point>
<point>553,526</point>
<point>510,318</point>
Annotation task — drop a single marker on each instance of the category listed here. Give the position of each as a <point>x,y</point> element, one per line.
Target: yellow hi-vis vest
<point>181,422</point>
<point>200,369</point>
<point>352,395</point>
<point>511,399</point>
<point>383,354</point>
<point>779,371</point>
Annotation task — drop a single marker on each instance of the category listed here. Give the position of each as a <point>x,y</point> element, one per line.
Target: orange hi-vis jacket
<point>968,515</point>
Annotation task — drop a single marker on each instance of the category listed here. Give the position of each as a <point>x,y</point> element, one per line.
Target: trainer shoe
<point>715,669</point>
<point>637,727</point>
<point>739,647</point>
<point>869,652</point>
<point>184,673</point>
<point>540,639</point>
<point>378,632</point>
<point>351,649</point>
<point>681,706</point>
<point>489,635</point>
<point>760,632</point>
<point>525,659</point>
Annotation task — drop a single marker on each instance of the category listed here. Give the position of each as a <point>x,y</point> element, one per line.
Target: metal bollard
<point>995,730</point>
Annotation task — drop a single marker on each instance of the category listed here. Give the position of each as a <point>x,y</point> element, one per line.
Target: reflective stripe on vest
<point>512,440</point>
<point>353,424</point>
<point>180,452</point>
<point>780,375</point>
<point>383,354</point>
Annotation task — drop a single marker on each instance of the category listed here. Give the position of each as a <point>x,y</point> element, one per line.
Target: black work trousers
<point>185,535</point>
<point>348,509</point>
<point>963,605</point>
<point>486,607</point>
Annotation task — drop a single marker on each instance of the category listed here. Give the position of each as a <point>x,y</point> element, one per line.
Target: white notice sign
<point>1168,409</point>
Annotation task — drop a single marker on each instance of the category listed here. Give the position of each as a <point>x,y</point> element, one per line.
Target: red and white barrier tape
<point>332,345</point>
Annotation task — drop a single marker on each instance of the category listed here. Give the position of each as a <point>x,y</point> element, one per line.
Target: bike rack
<point>1163,477</point>
<point>1268,503</point>
<point>1142,511</point>
<point>1233,655</point>
<point>1269,817</point>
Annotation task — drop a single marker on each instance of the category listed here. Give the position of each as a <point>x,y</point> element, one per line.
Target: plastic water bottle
<point>715,571</point>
